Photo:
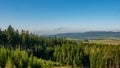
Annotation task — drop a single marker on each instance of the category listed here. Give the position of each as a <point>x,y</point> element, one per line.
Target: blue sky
<point>60,16</point>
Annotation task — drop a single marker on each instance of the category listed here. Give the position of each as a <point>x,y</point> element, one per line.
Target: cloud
<point>59,29</point>
<point>51,31</point>
<point>69,30</point>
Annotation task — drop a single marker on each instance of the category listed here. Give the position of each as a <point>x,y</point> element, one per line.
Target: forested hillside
<point>91,35</point>
<point>21,49</point>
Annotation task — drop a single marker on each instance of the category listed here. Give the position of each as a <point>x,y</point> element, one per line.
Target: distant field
<point>75,39</point>
<point>98,41</point>
<point>109,42</point>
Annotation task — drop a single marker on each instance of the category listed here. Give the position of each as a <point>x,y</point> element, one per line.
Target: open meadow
<point>108,41</point>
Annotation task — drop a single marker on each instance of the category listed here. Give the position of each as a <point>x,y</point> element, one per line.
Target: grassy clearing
<point>109,42</point>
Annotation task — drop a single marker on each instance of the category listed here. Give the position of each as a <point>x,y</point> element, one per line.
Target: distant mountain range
<point>90,35</point>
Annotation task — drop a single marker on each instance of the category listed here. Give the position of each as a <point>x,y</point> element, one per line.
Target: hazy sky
<point>57,16</point>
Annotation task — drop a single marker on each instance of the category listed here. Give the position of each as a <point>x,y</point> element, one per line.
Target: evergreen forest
<point>22,49</point>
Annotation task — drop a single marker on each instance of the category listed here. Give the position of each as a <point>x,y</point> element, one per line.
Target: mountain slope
<point>90,35</point>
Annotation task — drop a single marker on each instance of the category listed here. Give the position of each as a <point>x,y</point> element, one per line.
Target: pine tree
<point>9,63</point>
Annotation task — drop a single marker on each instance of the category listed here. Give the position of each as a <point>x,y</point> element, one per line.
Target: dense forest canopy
<point>27,50</point>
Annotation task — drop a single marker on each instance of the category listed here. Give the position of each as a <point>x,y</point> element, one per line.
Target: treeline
<point>13,37</point>
<point>27,50</point>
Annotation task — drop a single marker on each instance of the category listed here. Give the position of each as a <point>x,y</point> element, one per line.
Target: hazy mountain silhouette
<point>90,35</point>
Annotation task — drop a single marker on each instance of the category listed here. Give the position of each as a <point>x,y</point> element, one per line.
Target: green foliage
<point>26,50</point>
<point>19,59</point>
<point>9,63</point>
<point>69,54</point>
<point>90,55</point>
<point>3,56</point>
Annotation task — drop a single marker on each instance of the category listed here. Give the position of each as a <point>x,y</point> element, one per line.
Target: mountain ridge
<point>89,35</point>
